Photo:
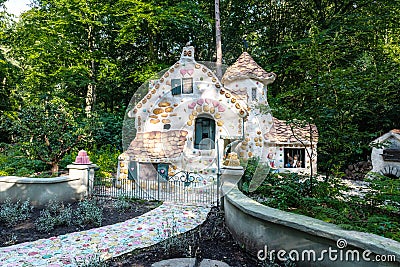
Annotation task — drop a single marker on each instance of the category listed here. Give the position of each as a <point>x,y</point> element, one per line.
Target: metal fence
<point>183,187</point>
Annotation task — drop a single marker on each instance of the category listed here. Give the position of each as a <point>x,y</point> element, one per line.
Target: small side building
<point>385,154</point>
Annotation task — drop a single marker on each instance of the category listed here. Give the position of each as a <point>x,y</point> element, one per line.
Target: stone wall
<point>260,228</point>
<point>41,190</point>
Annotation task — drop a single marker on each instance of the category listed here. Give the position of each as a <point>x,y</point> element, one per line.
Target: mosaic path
<point>108,241</point>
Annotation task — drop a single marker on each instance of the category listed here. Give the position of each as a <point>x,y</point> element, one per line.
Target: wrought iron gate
<point>182,187</point>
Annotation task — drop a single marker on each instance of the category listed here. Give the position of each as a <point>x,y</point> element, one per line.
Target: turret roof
<point>244,68</point>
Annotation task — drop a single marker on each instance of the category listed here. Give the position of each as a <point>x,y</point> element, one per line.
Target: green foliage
<point>106,158</point>
<point>12,213</point>
<point>56,214</point>
<point>14,162</point>
<point>88,213</point>
<point>107,129</point>
<point>47,131</point>
<point>122,204</point>
<point>376,212</point>
<point>255,173</point>
<point>91,260</point>
<point>45,222</point>
<point>385,193</point>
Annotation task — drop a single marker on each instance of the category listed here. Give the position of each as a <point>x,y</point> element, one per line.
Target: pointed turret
<point>246,68</point>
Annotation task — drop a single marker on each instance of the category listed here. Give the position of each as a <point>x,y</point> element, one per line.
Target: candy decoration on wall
<point>215,103</point>
<point>164,104</point>
<point>158,111</point>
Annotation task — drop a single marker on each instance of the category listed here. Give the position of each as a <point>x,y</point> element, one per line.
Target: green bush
<point>378,211</point>
<point>88,213</point>
<point>106,158</point>
<point>45,222</point>
<point>56,214</point>
<point>122,204</point>
<point>255,173</point>
<point>12,213</point>
<point>14,162</point>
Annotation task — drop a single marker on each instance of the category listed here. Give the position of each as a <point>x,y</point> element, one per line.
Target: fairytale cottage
<point>189,120</point>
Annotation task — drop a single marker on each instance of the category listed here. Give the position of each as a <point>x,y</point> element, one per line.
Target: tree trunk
<point>54,168</point>
<point>91,90</point>
<point>90,98</point>
<point>218,39</point>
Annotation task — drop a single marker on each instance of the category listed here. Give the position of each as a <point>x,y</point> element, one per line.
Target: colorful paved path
<point>108,241</point>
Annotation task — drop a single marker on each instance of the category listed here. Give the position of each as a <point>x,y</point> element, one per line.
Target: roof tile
<point>157,145</point>
<point>281,132</point>
<point>245,67</point>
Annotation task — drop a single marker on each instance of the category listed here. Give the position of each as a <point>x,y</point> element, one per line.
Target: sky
<point>16,7</point>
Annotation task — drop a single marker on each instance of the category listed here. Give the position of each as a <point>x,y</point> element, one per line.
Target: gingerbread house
<point>189,120</point>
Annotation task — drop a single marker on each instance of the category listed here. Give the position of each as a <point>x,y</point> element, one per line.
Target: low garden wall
<point>40,190</point>
<point>261,230</point>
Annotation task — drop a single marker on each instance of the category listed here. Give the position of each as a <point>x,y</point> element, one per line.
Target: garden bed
<point>211,240</point>
<point>373,207</point>
<point>113,211</point>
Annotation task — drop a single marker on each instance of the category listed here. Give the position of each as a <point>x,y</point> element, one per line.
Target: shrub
<point>12,213</point>
<point>14,162</point>
<point>56,214</point>
<point>93,260</point>
<point>45,222</point>
<point>122,204</point>
<point>255,173</point>
<point>376,212</point>
<point>88,213</point>
<point>106,158</point>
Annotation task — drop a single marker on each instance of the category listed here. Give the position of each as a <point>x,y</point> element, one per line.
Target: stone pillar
<point>83,169</point>
<point>230,176</point>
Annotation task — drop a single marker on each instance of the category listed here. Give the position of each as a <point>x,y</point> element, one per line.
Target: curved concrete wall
<point>259,227</point>
<point>40,190</point>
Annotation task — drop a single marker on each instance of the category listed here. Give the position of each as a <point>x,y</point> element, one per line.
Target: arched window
<point>204,136</point>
